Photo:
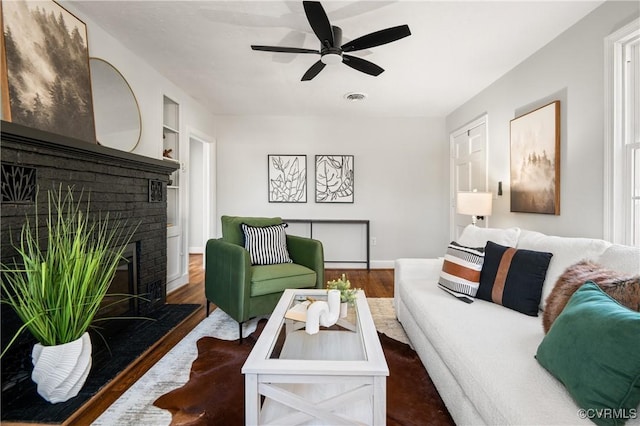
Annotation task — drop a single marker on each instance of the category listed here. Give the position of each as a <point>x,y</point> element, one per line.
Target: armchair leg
<point>240,329</point>
<point>207,304</point>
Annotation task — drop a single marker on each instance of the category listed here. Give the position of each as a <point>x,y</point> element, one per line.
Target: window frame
<point>621,127</point>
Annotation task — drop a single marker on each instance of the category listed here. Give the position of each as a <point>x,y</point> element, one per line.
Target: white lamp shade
<point>474,203</point>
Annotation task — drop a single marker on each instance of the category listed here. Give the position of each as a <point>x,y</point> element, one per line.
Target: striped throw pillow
<point>460,273</point>
<point>267,245</point>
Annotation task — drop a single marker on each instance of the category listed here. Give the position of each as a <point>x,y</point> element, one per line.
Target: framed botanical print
<point>334,179</point>
<point>287,178</point>
<point>535,161</point>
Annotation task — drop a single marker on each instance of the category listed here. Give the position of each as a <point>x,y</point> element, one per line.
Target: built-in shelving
<point>171,153</point>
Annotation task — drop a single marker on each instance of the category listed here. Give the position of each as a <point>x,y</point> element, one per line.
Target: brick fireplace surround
<point>121,183</point>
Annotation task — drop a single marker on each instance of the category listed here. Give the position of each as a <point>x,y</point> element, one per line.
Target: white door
<point>468,168</point>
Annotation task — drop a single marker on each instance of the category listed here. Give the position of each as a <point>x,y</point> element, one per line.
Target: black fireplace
<point>119,183</point>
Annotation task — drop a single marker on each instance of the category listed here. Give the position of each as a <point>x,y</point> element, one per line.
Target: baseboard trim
<point>374,264</point>
<point>177,283</point>
<point>382,264</point>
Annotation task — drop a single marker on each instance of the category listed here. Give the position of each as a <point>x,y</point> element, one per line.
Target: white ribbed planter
<point>60,371</point>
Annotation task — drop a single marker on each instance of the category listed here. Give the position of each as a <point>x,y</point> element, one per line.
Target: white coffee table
<point>337,376</point>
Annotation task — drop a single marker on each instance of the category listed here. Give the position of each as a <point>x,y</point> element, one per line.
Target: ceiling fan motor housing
<point>332,54</point>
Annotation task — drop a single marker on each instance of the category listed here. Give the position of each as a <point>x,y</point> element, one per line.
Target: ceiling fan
<point>332,51</point>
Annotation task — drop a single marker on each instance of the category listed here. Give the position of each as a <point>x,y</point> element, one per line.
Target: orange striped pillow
<point>460,273</point>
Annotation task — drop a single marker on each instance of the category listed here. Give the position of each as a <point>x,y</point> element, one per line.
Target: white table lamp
<point>476,204</point>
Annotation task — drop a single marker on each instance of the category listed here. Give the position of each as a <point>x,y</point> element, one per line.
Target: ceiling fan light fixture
<point>355,97</point>
<point>331,58</point>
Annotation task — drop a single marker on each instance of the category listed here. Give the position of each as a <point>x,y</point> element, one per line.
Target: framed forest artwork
<point>287,178</point>
<point>45,69</point>
<point>535,161</point>
<point>334,178</point>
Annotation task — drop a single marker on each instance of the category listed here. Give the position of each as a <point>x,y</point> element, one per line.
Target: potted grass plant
<point>57,290</point>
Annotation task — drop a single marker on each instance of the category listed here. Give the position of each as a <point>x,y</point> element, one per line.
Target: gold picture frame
<point>535,161</point>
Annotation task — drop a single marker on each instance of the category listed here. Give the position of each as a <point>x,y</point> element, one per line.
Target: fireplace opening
<point>121,299</point>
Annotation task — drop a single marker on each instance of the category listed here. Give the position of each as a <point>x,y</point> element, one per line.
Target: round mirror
<point>117,116</point>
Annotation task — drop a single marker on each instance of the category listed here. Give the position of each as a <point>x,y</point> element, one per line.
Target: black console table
<point>365,223</point>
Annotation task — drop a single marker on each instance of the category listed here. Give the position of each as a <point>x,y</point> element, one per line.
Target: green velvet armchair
<point>243,290</point>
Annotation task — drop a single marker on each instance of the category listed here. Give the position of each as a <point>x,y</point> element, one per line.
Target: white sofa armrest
<point>417,268</point>
<point>408,268</point>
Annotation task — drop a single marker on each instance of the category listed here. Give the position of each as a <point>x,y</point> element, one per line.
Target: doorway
<point>201,192</point>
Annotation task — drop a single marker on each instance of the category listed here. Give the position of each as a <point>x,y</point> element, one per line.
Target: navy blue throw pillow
<point>513,278</point>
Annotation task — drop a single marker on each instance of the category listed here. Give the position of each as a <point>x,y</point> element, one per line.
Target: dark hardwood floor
<point>375,283</point>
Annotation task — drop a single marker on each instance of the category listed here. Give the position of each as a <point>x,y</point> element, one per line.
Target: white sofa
<point>481,355</point>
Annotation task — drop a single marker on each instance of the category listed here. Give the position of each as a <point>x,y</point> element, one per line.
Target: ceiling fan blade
<point>313,71</point>
<point>292,38</point>
<point>377,38</point>
<point>284,49</point>
<point>362,65</point>
<point>319,22</point>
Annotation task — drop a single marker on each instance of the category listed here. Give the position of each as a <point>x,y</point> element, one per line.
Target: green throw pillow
<point>593,348</point>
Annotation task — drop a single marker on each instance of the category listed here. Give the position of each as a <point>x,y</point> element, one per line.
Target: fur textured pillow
<point>624,288</point>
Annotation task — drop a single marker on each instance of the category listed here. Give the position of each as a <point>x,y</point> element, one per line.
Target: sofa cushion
<point>474,236</point>
<point>231,231</point>
<point>625,259</point>
<point>267,279</point>
<point>267,245</point>
<point>566,251</point>
<point>513,278</point>
<point>460,273</point>
<point>592,348</point>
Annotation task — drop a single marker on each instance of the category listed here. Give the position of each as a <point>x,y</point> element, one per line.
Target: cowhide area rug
<point>212,392</point>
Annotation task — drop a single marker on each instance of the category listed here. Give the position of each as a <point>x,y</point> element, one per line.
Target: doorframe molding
<point>466,128</point>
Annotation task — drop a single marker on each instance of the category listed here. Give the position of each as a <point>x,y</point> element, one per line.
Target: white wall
<point>401,175</point>
<point>570,69</point>
<point>149,87</point>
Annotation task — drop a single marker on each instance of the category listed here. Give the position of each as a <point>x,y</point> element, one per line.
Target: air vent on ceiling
<point>355,97</point>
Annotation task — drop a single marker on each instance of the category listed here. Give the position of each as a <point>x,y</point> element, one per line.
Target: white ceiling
<point>456,49</point>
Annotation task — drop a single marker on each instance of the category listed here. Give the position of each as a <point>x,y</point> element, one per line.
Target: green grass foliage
<point>57,291</point>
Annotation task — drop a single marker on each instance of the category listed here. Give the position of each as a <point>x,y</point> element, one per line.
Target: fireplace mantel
<point>35,138</point>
